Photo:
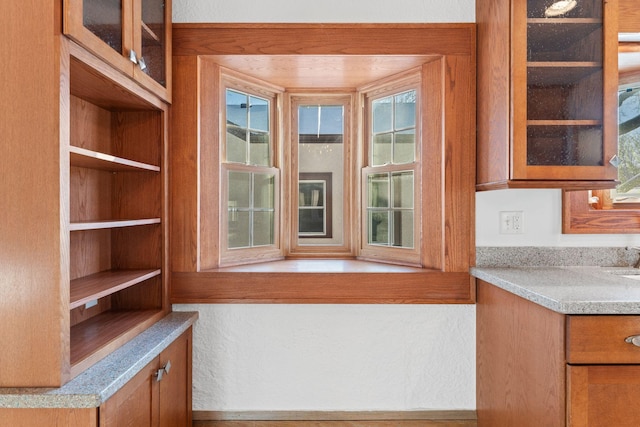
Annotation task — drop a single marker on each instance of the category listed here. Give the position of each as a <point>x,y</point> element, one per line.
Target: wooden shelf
<point>564,122</point>
<point>148,34</point>
<point>564,21</point>
<point>82,157</point>
<point>116,223</point>
<point>560,73</point>
<point>96,337</point>
<point>105,283</point>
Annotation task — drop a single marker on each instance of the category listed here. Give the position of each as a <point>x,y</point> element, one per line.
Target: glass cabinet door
<point>102,27</point>
<point>153,40</point>
<point>104,19</point>
<point>566,110</point>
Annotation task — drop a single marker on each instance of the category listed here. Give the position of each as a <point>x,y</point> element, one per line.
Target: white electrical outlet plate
<point>511,222</point>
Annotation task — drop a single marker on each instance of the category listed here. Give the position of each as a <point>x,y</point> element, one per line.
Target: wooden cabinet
<point>84,221</point>
<point>117,210</point>
<point>159,395</point>
<point>547,85</point>
<point>132,35</point>
<point>536,367</point>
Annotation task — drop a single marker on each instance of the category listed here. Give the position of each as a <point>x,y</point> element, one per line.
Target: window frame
<point>232,80</point>
<point>449,209</point>
<point>294,99</point>
<point>411,80</point>
<point>594,212</point>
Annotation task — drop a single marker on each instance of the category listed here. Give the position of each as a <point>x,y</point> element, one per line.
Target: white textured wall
<point>542,221</point>
<point>323,11</point>
<point>354,357</point>
<point>333,357</point>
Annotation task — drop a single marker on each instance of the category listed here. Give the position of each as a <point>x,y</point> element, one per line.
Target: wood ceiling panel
<point>320,71</point>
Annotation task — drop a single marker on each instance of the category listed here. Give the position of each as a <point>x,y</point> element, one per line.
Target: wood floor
<point>335,419</point>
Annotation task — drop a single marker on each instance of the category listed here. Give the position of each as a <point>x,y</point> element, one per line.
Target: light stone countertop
<point>570,290</point>
<point>99,382</point>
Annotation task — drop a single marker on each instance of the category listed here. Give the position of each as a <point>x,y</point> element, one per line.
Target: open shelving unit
<point>117,210</point>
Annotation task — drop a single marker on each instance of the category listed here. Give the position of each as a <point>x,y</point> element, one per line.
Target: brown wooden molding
<point>349,287</point>
<point>323,39</point>
<point>580,218</point>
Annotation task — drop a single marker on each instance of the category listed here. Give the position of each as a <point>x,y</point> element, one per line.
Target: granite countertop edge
<point>99,382</point>
<point>569,290</point>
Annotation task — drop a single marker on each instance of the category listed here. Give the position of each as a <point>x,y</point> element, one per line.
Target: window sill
<point>322,281</point>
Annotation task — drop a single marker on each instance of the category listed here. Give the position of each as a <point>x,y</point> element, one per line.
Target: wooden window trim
<point>579,217</point>
<point>449,244</point>
<point>346,249</point>
<point>232,80</point>
<point>412,81</point>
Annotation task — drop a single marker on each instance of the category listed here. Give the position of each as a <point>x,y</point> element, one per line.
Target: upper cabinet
<point>547,94</point>
<point>132,35</point>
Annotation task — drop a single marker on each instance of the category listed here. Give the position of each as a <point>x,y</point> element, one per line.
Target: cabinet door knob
<point>133,56</point>
<point>615,161</point>
<point>160,373</point>
<point>142,64</point>
<point>633,339</point>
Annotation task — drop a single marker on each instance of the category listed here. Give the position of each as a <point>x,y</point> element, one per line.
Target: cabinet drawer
<point>601,339</point>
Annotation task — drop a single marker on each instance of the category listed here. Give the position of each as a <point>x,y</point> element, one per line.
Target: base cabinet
<point>159,395</point>
<point>603,395</point>
<point>536,367</point>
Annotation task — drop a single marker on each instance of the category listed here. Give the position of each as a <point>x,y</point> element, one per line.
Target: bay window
<point>361,187</point>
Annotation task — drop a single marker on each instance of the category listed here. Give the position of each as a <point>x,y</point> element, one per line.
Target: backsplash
<point>531,256</point>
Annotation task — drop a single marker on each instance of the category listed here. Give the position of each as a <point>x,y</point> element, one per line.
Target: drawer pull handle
<point>633,339</point>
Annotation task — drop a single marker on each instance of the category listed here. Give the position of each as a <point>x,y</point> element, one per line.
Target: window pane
<point>236,145</point>
<point>237,111</point>
<point>378,190</point>
<point>259,147</point>
<point>403,228</point>
<point>404,148</point>
<point>393,131</point>
<point>263,194</point>
<point>378,225</point>
<point>239,189</point>
<point>311,221</point>
<point>237,119</point>
<point>320,124</point>
<point>308,119</point>
<point>263,228</point>
<point>239,229</point>
<point>259,114</point>
<point>381,149</point>
<point>403,189</point>
<point>311,193</point>
<point>383,115</point>
<point>247,123</point>
<point>405,110</point>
